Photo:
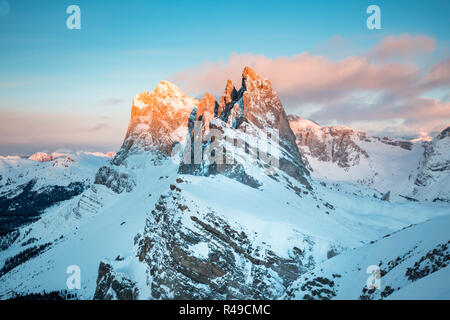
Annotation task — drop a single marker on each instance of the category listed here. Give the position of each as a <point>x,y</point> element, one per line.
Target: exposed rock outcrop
<point>114,286</point>
<point>433,177</point>
<point>231,268</point>
<point>114,180</point>
<point>335,144</point>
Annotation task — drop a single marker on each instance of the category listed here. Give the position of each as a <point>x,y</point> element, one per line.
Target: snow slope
<point>417,170</point>
<point>27,187</point>
<point>414,264</point>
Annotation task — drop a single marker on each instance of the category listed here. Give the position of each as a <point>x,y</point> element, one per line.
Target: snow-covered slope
<point>413,263</point>
<point>417,170</point>
<point>29,186</point>
<point>156,226</point>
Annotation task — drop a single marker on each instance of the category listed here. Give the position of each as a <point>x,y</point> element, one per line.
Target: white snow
<point>200,250</point>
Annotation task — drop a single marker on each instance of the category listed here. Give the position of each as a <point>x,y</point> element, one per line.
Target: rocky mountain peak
<point>41,157</point>
<point>334,144</point>
<point>251,80</point>
<point>167,116</point>
<point>230,94</point>
<point>252,111</point>
<point>166,97</point>
<point>250,74</point>
<point>207,106</point>
<point>158,120</point>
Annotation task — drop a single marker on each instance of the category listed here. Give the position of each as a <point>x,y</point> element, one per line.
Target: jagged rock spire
<point>255,109</point>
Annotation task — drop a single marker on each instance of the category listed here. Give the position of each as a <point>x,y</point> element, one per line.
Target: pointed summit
<point>158,120</point>
<point>166,89</point>
<point>254,110</point>
<point>207,106</point>
<point>250,73</point>
<point>230,94</point>
<point>252,81</point>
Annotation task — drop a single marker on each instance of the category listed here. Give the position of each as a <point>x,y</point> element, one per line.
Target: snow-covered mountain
<point>413,170</point>
<point>212,199</point>
<point>28,186</point>
<point>413,263</point>
<point>433,178</point>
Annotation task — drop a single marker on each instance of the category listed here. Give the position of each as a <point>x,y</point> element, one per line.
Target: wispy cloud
<point>111,101</point>
<point>402,46</point>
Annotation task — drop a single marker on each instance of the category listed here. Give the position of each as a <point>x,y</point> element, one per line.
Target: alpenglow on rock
<point>158,120</point>
<point>249,128</point>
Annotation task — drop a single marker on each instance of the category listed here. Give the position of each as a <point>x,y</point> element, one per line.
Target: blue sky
<point>126,47</point>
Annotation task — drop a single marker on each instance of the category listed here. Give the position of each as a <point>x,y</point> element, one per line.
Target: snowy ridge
<point>410,261</point>
<point>417,170</point>
<point>30,186</point>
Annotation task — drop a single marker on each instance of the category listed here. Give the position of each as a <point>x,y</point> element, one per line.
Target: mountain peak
<point>158,119</point>
<point>298,123</point>
<point>207,96</point>
<point>41,157</point>
<point>207,105</point>
<point>165,88</point>
<point>250,73</point>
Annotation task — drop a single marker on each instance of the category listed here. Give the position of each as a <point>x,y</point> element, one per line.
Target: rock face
<point>335,144</point>
<point>433,177</point>
<point>114,180</point>
<point>112,286</point>
<point>412,170</point>
<point>192,254</point>
<point>158,120</point>
<point>246,128</point>
<point>249,128</point>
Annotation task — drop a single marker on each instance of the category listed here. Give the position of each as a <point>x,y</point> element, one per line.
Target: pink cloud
<point>303,77</point>
<point>401,46</point>
<point>439,74</point>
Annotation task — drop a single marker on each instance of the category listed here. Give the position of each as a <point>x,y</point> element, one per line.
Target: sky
<point>64,89</point>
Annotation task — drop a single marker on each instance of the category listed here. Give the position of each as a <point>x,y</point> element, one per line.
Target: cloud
<point>353,89</point>
<point>439,75</point>
<point>111,101</point>
<point>402,46</point>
